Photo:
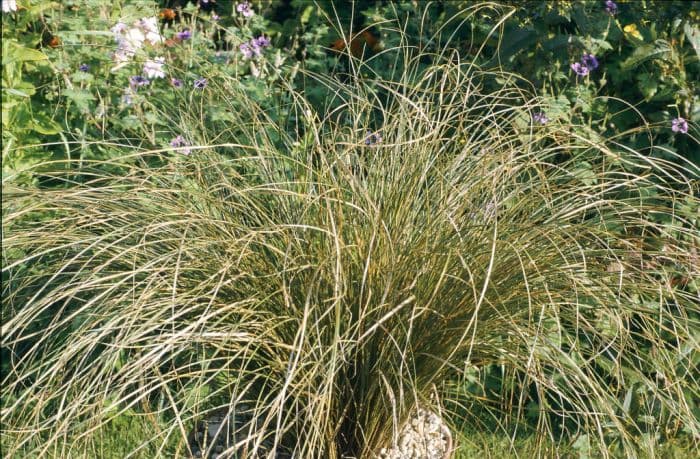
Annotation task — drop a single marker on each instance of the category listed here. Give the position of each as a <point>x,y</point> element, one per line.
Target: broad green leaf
<point>17,92</point>
<point>80,77</point>
<point>153,118</point>
<point>692,33</point>
<point>648,85</point>
<point>561,41</point>
<point>584,172</point>
<point>516,41</point>
<point>600,45</point>
<point>81,98</point>
<point>18,53</point>
<point>306,15</point>
<point>643,53</point>
<point>45,125</point>
<point>41,7</point>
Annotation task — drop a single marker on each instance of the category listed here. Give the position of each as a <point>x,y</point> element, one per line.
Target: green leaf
<point>599,45</point>
<point>153,118</point>
<point>45,125</point>
<point>584,172</point>
<point>80,77</point>
<point>658,49</point>
<point>16,92</point>
<point>561,41</point>
<point>80,98</point>
<point>626,405</point>
<point>558,108</point>
<point>18,53</point>
<point>516,41</point>
<point>648,85</point>
<point>582,446</point>
<point>692,33</point>
<point>306,15</point>
<point>22,117</point>
<point>41,7</point>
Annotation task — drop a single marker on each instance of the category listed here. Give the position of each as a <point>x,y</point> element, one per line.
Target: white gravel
<point>425,436</point>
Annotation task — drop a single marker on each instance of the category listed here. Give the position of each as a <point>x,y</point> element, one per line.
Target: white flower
<point>154,68</point>
<point>150,28</point>
<point>118,30</point>
<point>120,56</point>
<point>149,24</point>
<point>153,38</point>
<point>132,40</point>
<point>9,5</point>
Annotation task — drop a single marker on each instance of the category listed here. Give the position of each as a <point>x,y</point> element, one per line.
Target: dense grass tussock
<point>330,282</point>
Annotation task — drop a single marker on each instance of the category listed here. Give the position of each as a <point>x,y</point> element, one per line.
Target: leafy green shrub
<point>332,272</point>
<point>52,109</point>
<point>109,76</point>
<point>647,55</point>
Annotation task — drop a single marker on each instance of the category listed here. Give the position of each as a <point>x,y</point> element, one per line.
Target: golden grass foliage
<point>331,285</point>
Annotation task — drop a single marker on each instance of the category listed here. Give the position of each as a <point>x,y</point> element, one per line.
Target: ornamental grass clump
<point>323,288</point>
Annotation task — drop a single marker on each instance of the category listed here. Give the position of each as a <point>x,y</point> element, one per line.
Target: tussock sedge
<point>325,283</point>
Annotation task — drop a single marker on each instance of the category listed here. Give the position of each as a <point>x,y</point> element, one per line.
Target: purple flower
<point>201,83</point>
<point>679,125</point>
<point>590,61</point>
<point>246,50</point>
<point>137,81</point>
<point>580,69</point>
<point>178,142</point>
<point>262,41</point>
<point>215,17</point>
<point>372,138</point>
<point>84,68</point>
<point>245,9</point>
<point>540,117</point>
<point>176,83</point>
<point>611,7</point>
<point>184,35</point>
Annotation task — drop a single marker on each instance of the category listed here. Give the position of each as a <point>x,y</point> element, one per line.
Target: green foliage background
<point>645,78</point>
